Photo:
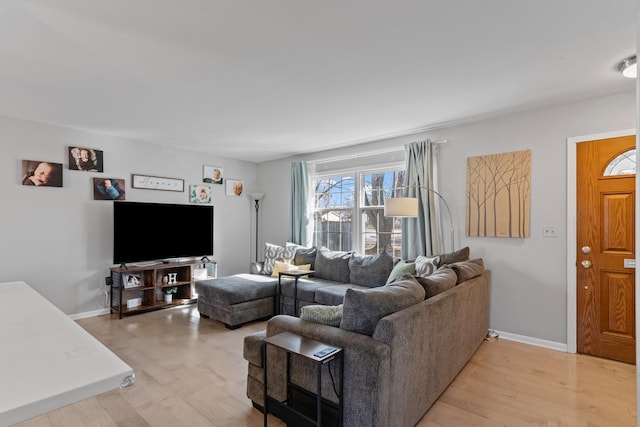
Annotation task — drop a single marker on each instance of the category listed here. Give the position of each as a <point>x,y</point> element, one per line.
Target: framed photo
<point>234,187</point>
<point>149,182</point>
<point>85,159</point>
<point>108,189</point>
<point>39,173</point>
<point>212,174</point>
<point>132,280</point>
<point>200,194</point>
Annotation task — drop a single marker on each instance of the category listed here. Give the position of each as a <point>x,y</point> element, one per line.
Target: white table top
<point>47,360</point>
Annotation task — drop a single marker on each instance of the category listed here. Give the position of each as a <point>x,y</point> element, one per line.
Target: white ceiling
<point>265,79</point>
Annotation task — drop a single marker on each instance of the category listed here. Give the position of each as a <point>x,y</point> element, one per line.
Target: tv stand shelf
<point>139,289</point>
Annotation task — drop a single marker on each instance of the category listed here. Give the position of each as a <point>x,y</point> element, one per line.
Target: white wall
<point>528,295</point>
<point>59,240</point>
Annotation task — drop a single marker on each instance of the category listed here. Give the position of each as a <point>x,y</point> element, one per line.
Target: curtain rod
<point>366,154</point>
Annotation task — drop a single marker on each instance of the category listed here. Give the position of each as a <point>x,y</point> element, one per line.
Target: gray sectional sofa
<point>396,365</point>
<point>241,298</point>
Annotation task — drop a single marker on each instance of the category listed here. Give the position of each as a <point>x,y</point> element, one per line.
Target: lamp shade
<point>404,207</point>
<point>256,196</point>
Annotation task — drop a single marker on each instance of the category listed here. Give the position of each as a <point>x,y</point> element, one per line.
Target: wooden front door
<point>605,248</point>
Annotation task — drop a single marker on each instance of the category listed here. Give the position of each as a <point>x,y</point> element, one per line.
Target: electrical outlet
<point>549,231</point>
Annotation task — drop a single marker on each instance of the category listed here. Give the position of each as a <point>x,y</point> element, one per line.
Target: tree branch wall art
<point>499,195</point>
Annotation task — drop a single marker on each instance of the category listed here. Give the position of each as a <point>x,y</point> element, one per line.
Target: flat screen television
<point>157,231</point>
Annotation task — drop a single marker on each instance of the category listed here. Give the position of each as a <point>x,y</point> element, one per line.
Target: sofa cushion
<point>305,256</point>
<point>364,308</point>
<point>466,270</point>
<point>324,314</point>
<point>455,256</point>
<point>426,265</point>
<point>371,270</point>
<point>332,265</point>
<point>273,253</point>
<point>442,279</point>
<point>306,288</point>
<point>334,294</point>
<point>400,269</point>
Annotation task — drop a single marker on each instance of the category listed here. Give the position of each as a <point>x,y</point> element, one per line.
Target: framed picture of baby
<point>212,174</point>
<point>39,173</point>
<point>108,189</point>
<point>234,187</point>
<point>85,159</point>
<point>200,194</point>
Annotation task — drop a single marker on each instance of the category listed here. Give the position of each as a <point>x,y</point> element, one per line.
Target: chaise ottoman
<point>238,299</point>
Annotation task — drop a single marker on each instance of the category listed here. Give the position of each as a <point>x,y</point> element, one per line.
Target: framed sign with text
<point>148,182</point>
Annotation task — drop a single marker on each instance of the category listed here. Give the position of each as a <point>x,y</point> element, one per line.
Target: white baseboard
<point>89,314</point>
<point>552,345</point>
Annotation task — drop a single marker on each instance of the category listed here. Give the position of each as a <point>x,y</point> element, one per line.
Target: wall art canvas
<point>234,187</point>
<point>212,174</point>
<point>108,189</point>
<point>85,159</point>
<point>39,173</point>
<point>200,194</point>
<point>499,195</point>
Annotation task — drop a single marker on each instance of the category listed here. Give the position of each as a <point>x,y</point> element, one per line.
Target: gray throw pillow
<point>455,256</point>
<point>442,279</point>
<point>332,265</point>
<point>324,314</point>
<point>363,308</point>
<point>466,270</point>
<point>371,270</point>
<point>400,269</point>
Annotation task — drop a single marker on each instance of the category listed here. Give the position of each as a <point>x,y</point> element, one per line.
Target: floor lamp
<point>256,197</point>
<point>407,207</point>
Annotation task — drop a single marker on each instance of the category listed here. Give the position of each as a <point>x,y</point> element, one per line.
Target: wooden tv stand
<point>145,291</point>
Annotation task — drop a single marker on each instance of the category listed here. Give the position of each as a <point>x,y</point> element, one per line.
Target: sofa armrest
<point>256,267</point>
<point>367,374</point>
<point>253,348</point>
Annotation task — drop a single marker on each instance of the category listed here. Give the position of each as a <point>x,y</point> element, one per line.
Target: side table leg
<point>319,396</point>
<point>295,296</point>
<point>265,411</point>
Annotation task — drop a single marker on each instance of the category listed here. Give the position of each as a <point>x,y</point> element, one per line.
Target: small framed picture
<point>200,194</point>
<point>234,187</point>
<point>85,159</point>
<point>108,189</point>
<point>212,174</point>
<point>46,174</point>
<point>132,280</point>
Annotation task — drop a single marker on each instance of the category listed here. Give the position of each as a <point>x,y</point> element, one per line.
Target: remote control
<point>324,352</point>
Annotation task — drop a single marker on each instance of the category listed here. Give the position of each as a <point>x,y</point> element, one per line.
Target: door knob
<point>586,287</point>
<point>586,249</point>
<point>586,263</point>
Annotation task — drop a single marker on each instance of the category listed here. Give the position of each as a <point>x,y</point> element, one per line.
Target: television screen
<point>157,231</point>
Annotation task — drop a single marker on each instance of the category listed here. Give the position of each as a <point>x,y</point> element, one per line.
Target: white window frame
<point>358,208</point>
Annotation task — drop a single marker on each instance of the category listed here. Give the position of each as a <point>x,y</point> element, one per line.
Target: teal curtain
<point>299,198</point>
<point>421,235</point>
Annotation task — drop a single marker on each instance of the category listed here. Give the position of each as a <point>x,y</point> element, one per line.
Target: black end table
<point>317,352</point>
<point>296,274</point>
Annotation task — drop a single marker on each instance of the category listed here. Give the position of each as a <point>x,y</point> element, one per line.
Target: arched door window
<point>623,164</point>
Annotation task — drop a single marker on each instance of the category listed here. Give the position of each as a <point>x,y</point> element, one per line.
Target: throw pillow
<point>305,255</point>
<point>363,308</point>
<point>400,269</point>
<point>370,271</point>
<point>273,253</point>
<point>332,265</point>
<point>324,314</point>
<point>466,270</point>
<point>455,256</point>
<point>426,265</point>
<point>279,266</point>
<point>442,279</point>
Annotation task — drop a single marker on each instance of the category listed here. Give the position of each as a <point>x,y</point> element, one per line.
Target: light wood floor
<point>190,372</point>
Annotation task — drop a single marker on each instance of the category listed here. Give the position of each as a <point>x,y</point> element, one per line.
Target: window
<point>349,212</point>
<point>624,164</point>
